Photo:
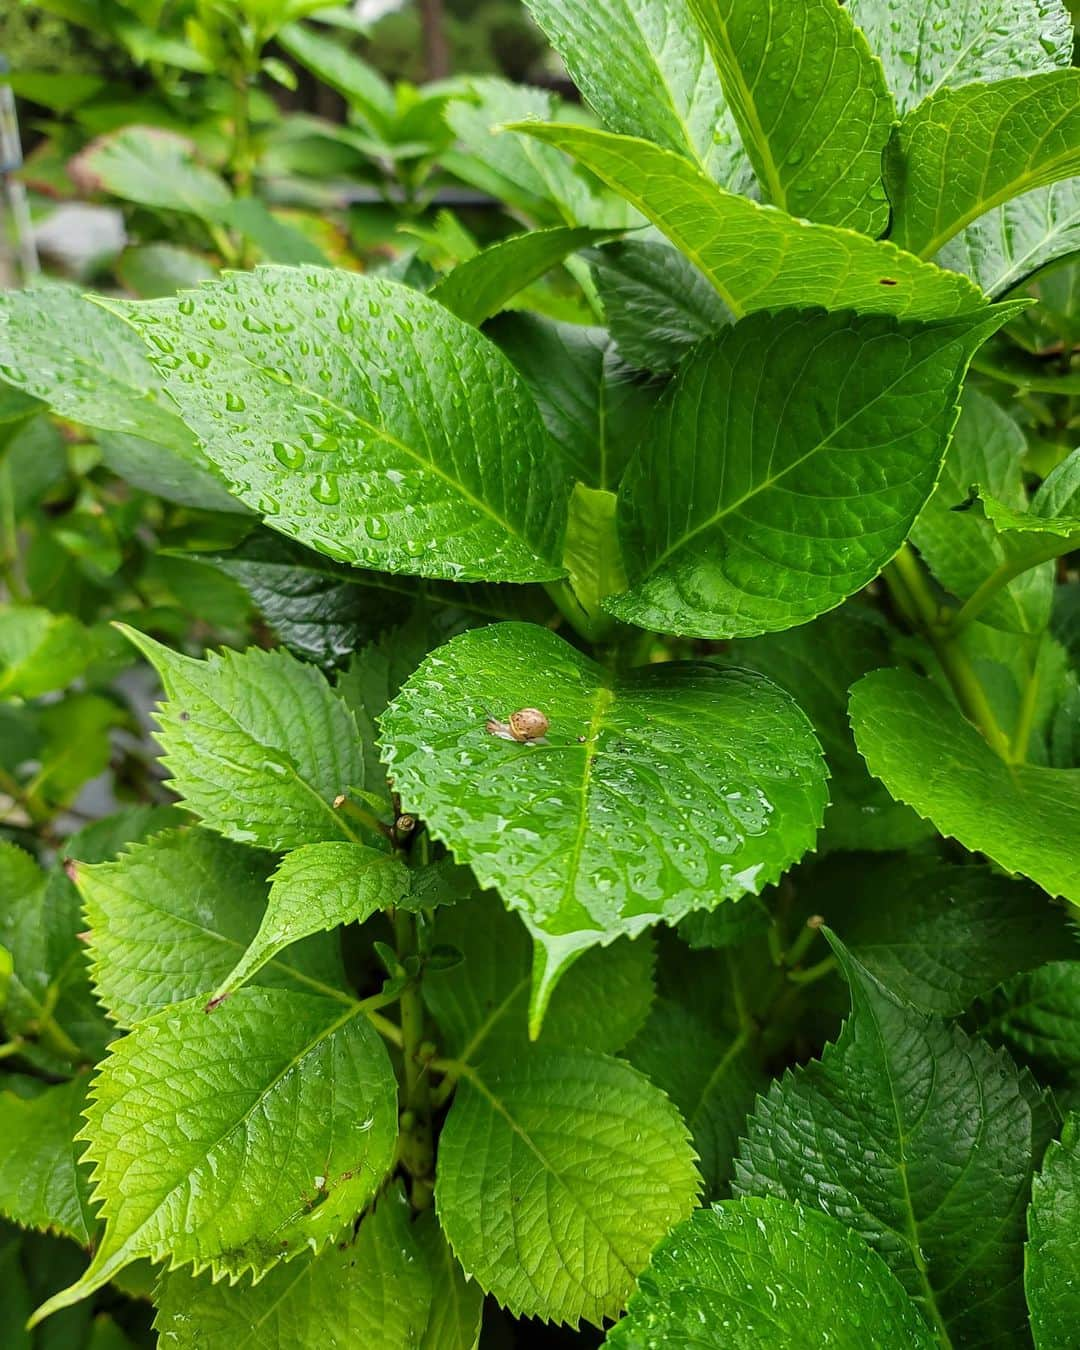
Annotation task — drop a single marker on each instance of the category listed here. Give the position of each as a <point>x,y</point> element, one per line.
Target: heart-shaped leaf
<point>653,793</point>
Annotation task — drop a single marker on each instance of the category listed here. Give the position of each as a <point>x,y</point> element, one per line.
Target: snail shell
<point>528,724</point>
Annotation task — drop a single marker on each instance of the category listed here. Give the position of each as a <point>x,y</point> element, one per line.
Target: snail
<point>527,726</point>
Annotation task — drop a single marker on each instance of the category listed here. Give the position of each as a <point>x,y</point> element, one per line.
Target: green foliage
<point>620,702</point>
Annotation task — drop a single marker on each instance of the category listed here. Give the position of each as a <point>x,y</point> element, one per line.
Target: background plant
<point>391,1012</point>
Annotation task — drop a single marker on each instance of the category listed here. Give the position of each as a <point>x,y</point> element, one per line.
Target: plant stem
<point>1026,719</point>
<point>417,1149</point>
<point>241,160</point>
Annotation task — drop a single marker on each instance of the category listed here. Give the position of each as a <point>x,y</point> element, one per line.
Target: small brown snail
<point>527,726</point>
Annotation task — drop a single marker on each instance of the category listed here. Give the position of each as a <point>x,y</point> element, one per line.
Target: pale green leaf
<point>41,1183</point>
<point>754,502</point>
<point>1049,528</point>
<point>817,664</point>
<point>558,1173</point>
<point>758,257</point>
<point>334,65</point>
<point>457,1304</point>
<point>155,168</point>
<point>258,744</point>
<point>152,270</point>
<point>592,404</point>
<point>810,103</point>
<point>1052,1258</point>
<point>314,392</point>
<point>176,478</point>
<point>481,1005</point>
<point>714,778</point>
<point>937,934</point>
<point>1024,817</point>
<point>920,1139</point>
<point>964,152</point>
<point>41,651</point>
<point>315,889</point>
<point>171,917</point>
<point>235,1141</point>
<point>960,547</point>
<point>373,1290</point>
<point>485,283</point>
<point>275,240</point>
<point>927,45</point>
<point>760,1272</point>
<point>643,66</point>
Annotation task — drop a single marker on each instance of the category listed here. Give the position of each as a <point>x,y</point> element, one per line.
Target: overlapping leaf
<point>812,1282</point>
<point>754,502</point>
<point>41,1182</point>
<point>314,392</point>
<point>1025,817</point>
<point>714,780</point>
<point>810,103</point>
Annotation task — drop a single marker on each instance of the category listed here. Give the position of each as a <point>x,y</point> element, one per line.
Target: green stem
<point>974,605</point>
<point>1026,719</point>
<point>806,936</point>
<point>417,1147</point>
<point>813,973</point>
<point>241,160</point>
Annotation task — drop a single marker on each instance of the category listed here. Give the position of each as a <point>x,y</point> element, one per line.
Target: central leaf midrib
<point>602,702</point>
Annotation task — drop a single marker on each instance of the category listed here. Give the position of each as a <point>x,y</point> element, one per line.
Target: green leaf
<point>481,1004</point>
<point>658,304</point>
<point>591,403</point>
<point>314,393</point>
<point>153,168</point>
<point>86,365</point>
<point>171,918</point>
<point>153,270</point>
<point>1024,817</point>
<point>965,151</point>
<point>960,547</point>
<point>752,504</point>
<point>484,284</point>
<point>457,1304</point>
<point>258,744</point>
<point>315,889</point>
<point>373,1290</point>
<point>357,81</point>
<point>276,240</point>
<point>918,1137</point>
<point>567,1143</point>
<point>817,664</point>
<point>937,934</point>
<point>644,68</point>
<point>1049,528</point>
<point>927,45</point>
<point>1052,1261</point>
<point>1004,247</point>
<point>814,1283</point>
<point>41,1183</point>
<point>1037,1015</point>
<point>187,480</point>
<point>714,777</point>
<point>810,103</point>
<point>755,256</point>
<point>41,651</point>
<point>235,1141</point>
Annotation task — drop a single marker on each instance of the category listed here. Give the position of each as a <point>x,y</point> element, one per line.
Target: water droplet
<point>200,360</point>
<point>161,343</point>
<point>254,325</point>
<point>289,456</point>
<point>345,321</point>
<point>186,306</point>
<point>325,489</point>
<point>376,527</point>
<point>217,323</point>
<point>233,402</point>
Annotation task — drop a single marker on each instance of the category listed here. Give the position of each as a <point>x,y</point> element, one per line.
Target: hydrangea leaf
<point>41,1182</point>
<point>643,67</point>
<point>919,1138</point>
<point>965,151</point>
<point>234,1141</point>
<point>810,103</point>
<point>170,918</point>
<point>258,744</point>
<point>348,450</point>
<point>817,664</point>
<point>483,284</point>
<point>756,256</point>
<point>1052,1261</point>
<point>1037,1016</point>
<point>457,1304</point>
<point>41,651</point>
<point>753,503</point>
<point>1049,529</point>
<point>1023,816</point>
<point>315,889</point>
<point>927,45</point>
<point>755,1272</point>
<point>569,1143</point>
<point>372,1290</point>
<point>715,778</point>
<point>155,168</point>
<point>481,1005</point>
<point>938,934</point>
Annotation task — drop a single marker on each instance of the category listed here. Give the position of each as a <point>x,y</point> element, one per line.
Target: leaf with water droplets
<point>1052,1272</point>
<point>810,103</point>
<point>666,789</point>
<point>921,1139</point>
<point>258,744</point>
<point>761,1272</point>
<point>365,420</point>
<point>235,1141</point>
<point>561,1142</point>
